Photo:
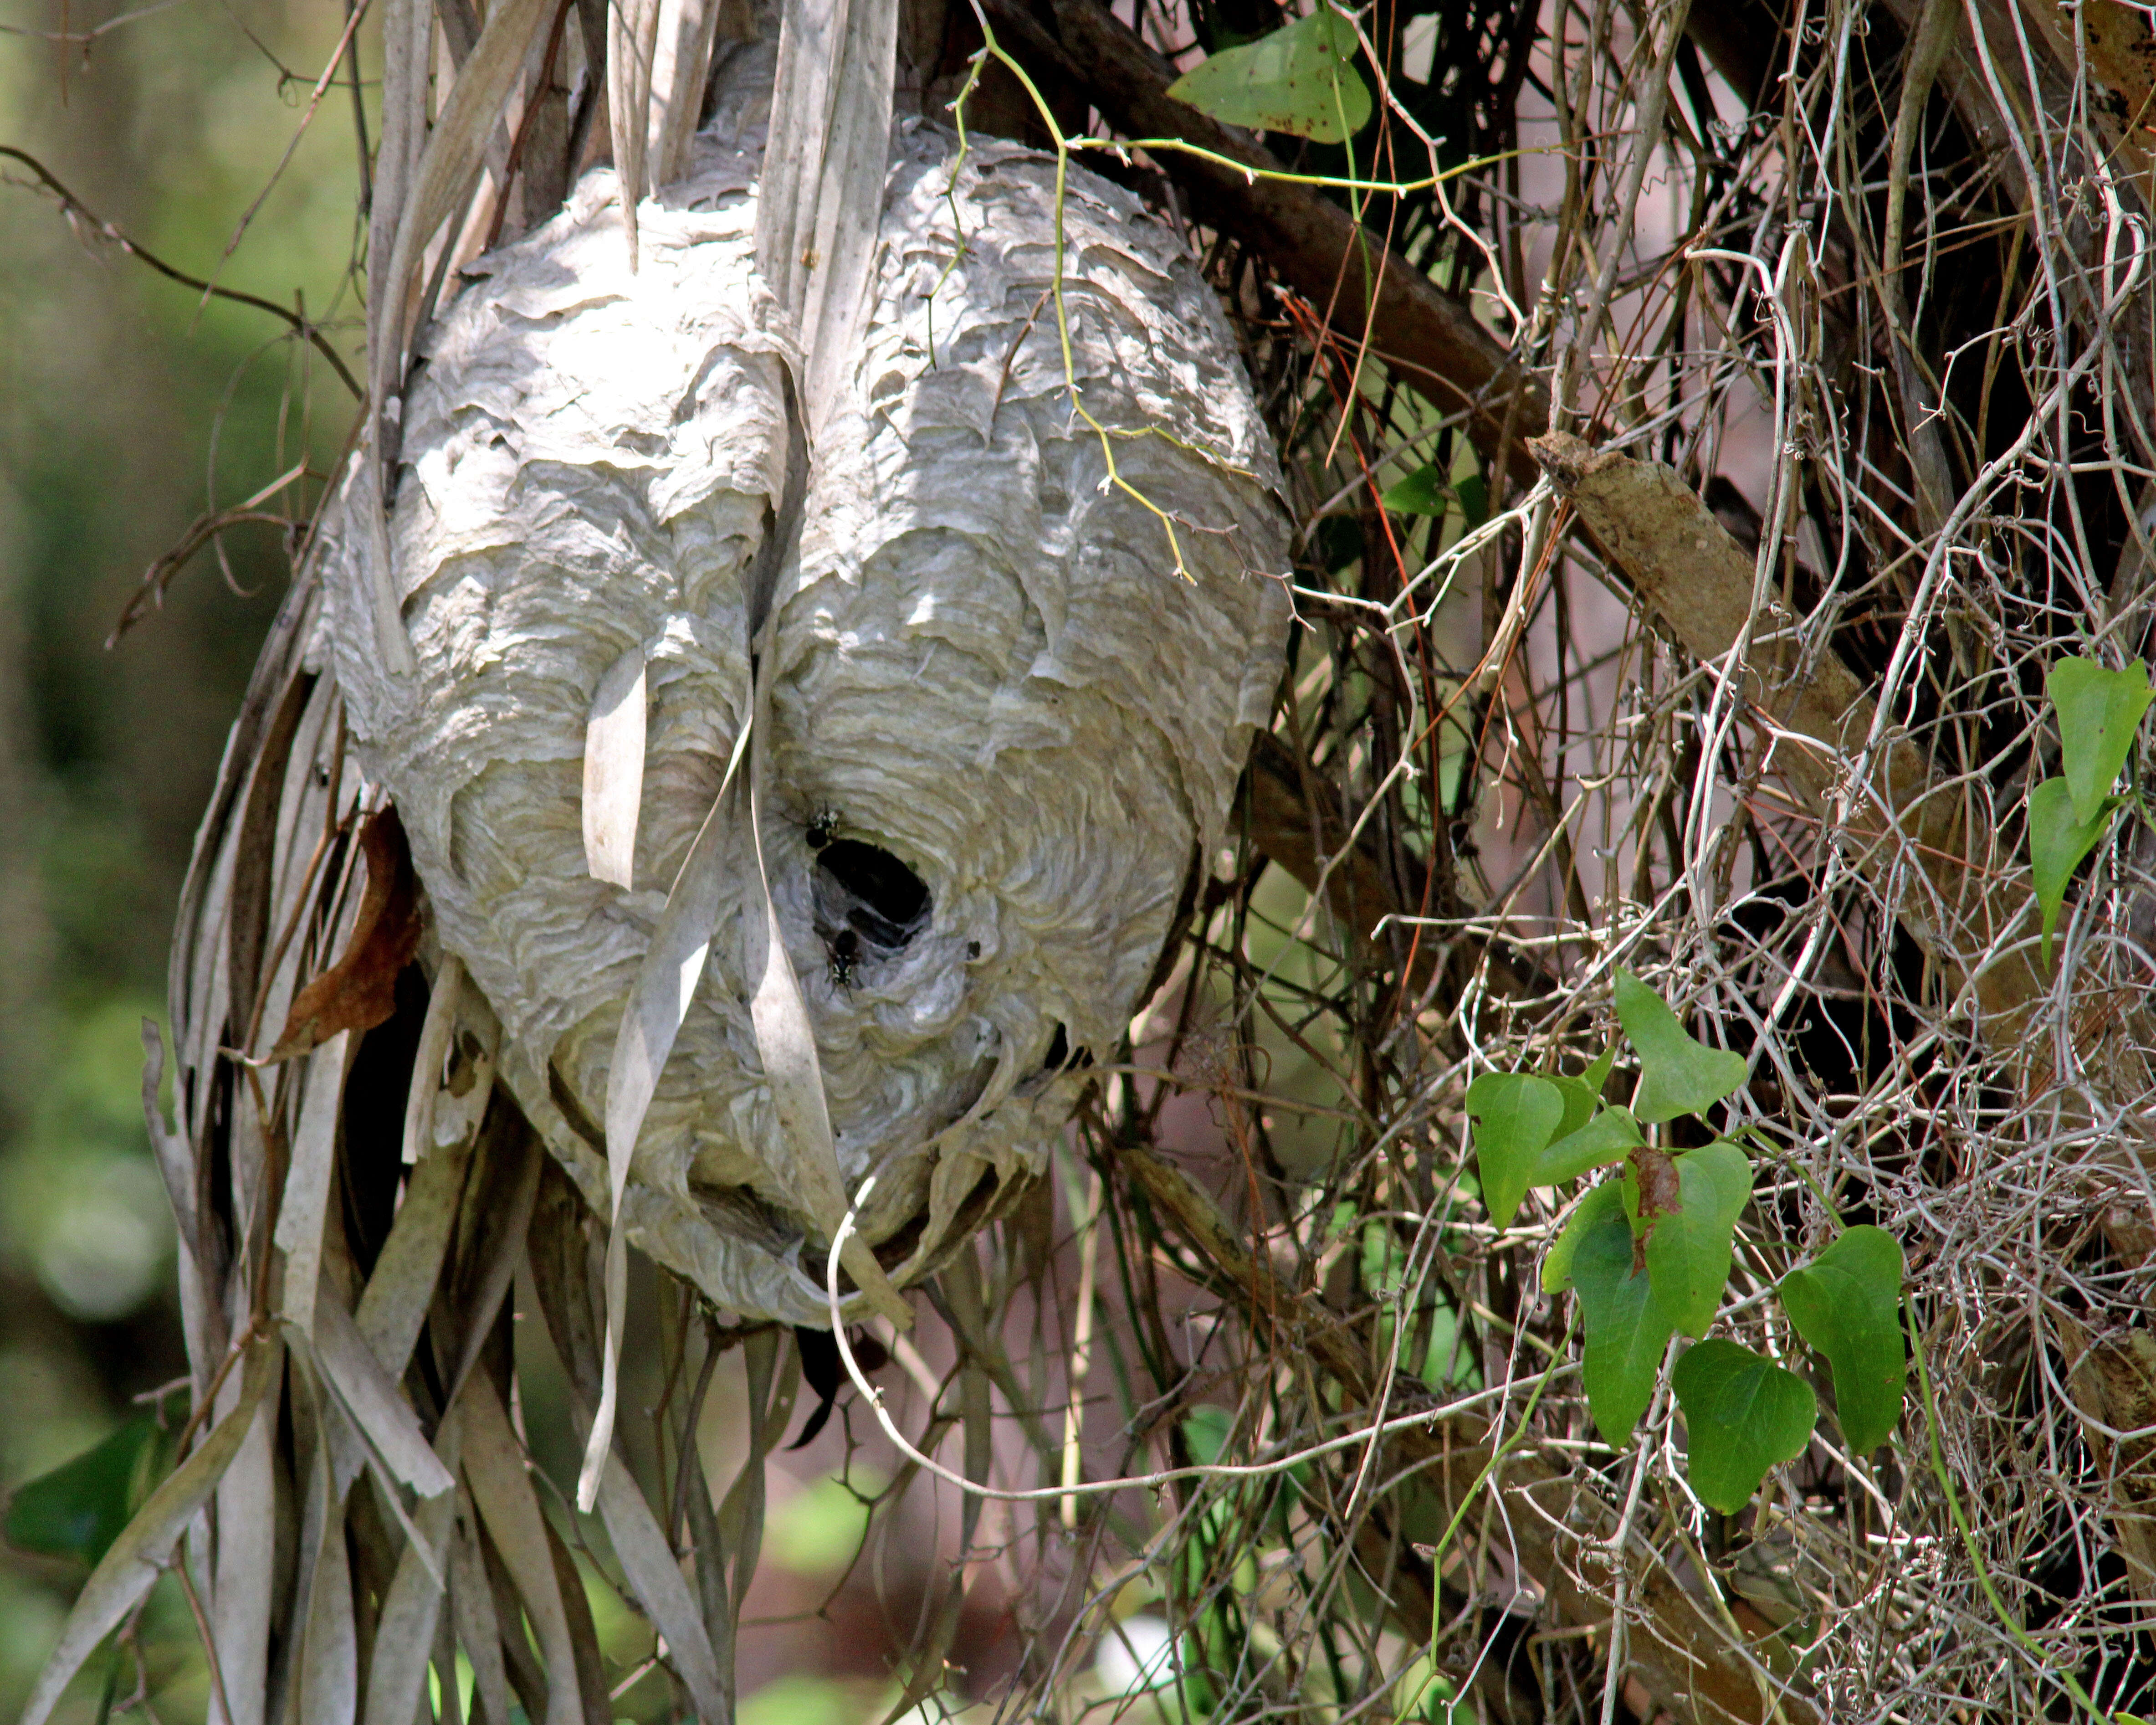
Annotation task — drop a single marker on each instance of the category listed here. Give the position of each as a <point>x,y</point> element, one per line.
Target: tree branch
<point>1431,341</point>
<point>76,210</point>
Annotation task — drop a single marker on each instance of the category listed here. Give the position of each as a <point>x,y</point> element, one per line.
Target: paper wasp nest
<point>1003,724</point>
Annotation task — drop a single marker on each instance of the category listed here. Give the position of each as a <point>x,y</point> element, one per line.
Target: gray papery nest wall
<point>1003,724</point>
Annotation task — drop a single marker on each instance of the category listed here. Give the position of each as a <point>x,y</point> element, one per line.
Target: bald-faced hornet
<point>823,828</point>
<point>845,952</point>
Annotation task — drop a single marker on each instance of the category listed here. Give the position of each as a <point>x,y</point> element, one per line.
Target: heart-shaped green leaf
<point>1516,1114</point>
<point>1422,492</point>
<point>1580,1102</point>
<point>1300,79</point>
<point>1428,491</point>
<point>1847,1303</point>
<point>1626,1328</point>
<point>82,1506</point>
<point>1474,495</point>
<point>1677,1074</point>
<point>2099,711</point>
<point>1583,1095</point>
<point>1556,1267</point>
<point>1743,1414</point>
<point>2057,843</point>
<point>1688,1253</point>
<point>1609,1136</point>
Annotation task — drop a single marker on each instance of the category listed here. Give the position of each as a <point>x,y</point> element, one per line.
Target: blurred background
<point>127,410</point>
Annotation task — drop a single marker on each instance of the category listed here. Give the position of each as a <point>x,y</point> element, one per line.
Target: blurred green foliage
<point>82,1506</point>
<point>127,410</point>
<point>802,1699</point>
<point>818,1530</point>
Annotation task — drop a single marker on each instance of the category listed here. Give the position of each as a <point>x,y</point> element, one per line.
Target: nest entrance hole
<point>869,903</point>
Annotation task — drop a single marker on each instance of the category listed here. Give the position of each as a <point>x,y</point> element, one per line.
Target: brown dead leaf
<point>359,991</point>
<point>1661,1194</point>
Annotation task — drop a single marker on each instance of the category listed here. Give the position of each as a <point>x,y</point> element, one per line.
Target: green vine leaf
<point>1688,1253</point>
<point>1516,1114</point>
<point>1427,490</point>
<point>1597,1075</point>
<point>2057,843</point>
<point>1609,1136</point>
<point>1422,492</point>
<point>1743,1414</point>
<point>2099,711</point>
<point>1556,1267</point>
<point>1626,1328</point>
<point>1580,1102</point>
<point>1677,1074</point>
<point>1583,1095</point>
<point>82,1506</point>
<point>1300,79</point>
<point>1474,495</point>
<point>1847,1303</point>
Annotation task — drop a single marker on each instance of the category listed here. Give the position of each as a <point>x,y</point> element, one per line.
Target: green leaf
<point>1580,1102</point>
<point>1610,1137</point>
<point>1847,1303</point>
<point>1625,1327</point>
<point>1677,1074</point>
<point>1474,495</point>
<point>1743,1414</point>
<point>1206,1429</point>
<point>1583,1095</point>
<point>1300,79</point>
<point>1516,1114</point>
<point>1556,1267</point>
<point>1422,492</point>
<point>1428,491</point>
<point>81,1507</point>
<point>2057,843</point>
<point>2099,711</point>
<point>1688,1253</point>
<point>1386,1261</point>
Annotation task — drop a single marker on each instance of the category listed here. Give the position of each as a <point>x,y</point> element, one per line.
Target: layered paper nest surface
<point>1003,727</point>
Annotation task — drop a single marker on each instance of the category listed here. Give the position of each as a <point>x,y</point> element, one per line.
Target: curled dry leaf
<point>327,1656</point>
<point>648,1562</point>
<point>369,1394</point>
<point>309,1184</point>
<point>359,991</point>
<point>434,1032</point>
<point>404,1639</point>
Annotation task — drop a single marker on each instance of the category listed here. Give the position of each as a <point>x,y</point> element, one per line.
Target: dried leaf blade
<point>613,769</point>
<point>134,1560</point>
